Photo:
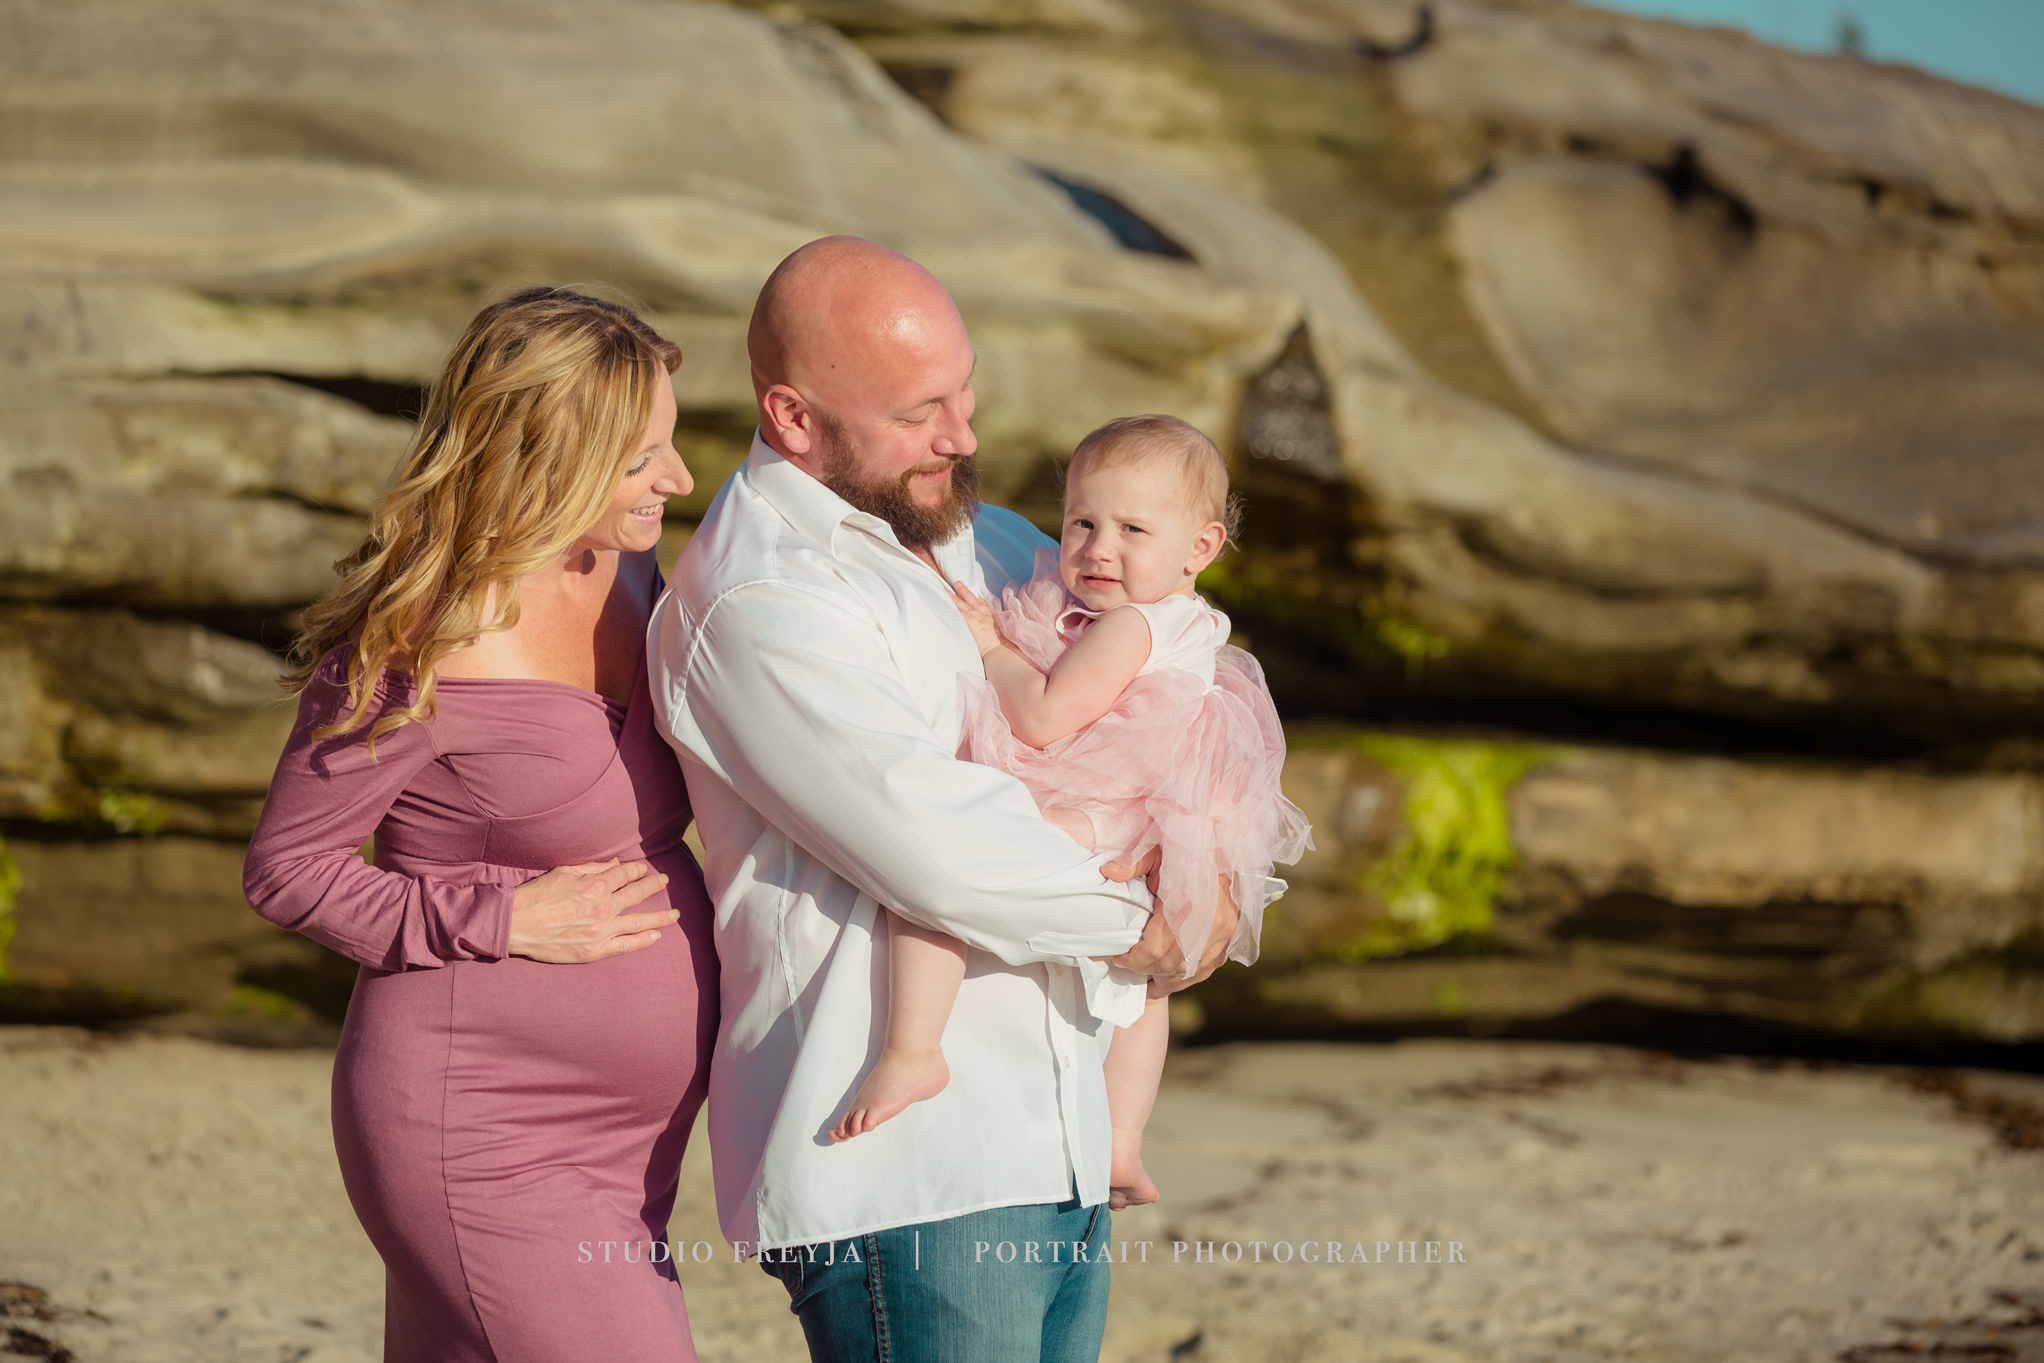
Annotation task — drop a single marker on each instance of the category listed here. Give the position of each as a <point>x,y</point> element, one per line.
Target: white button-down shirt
<point>806,668</point>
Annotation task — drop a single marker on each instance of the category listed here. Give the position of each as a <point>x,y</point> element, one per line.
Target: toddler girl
<point>1111,692</point>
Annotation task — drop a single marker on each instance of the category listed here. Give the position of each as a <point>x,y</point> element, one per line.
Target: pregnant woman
<point>530,1034</point>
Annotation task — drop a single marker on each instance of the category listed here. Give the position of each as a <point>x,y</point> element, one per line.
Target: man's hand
<point>1158,954</point>
<point>979,618</point>
<point>1143,868</point>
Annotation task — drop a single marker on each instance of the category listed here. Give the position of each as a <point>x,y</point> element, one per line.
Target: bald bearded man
<point>806,662</point>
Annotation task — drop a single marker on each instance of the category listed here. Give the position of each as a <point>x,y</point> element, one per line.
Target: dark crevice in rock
<point>1235,1010</point>
<point>323,983</point>
<point>1894,201</point>
<point>1889,198</point>
<point>298,499</point>
<point>1310,623</point>
<point>1691,188</point>
<point>1485,173</point>
<point>929,84</point>
<point>30,1005</point>
<point>26,1302</point>
<point>1800,929</point>
<point>1417,41</point>
<point>28,1344</point>
<point>1130,228</point>
<point>402,400</point>
<point>1315,674</point>
<point>1289,582</point>
<point>273,630</point>
<point>1234,39</point>
<point>1285,418</point>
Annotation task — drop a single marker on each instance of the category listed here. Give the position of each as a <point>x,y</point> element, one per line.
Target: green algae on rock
<point>1441,878</point>
<point>10,886</point>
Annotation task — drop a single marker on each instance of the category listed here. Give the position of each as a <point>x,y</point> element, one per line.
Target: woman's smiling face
<point>632,520</point>
<point>1130,536</point>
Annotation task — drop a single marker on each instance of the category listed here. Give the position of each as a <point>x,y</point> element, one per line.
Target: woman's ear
<point>1206,547</point>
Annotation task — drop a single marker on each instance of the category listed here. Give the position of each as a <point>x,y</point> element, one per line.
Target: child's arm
<point>1083,685</point>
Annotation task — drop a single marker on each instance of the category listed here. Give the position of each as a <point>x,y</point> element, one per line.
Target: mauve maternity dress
<point>493,1113</point>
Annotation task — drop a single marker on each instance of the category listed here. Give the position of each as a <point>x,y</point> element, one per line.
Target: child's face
<point>1130,536</point>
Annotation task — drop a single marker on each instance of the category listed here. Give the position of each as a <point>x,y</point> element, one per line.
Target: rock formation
<point>234,242</point>
<point>1808,895</point>
<point>1572,364</point>
<point>1708,373</point>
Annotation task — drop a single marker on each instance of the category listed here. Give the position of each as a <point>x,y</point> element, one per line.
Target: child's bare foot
<point>899,1077</point>
<point>1127,1184</point>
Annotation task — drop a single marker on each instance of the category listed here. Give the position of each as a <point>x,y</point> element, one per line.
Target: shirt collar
<point>817,512</point>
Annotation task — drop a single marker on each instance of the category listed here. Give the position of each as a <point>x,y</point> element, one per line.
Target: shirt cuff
<point>1077,946</point>
<point>1113,994</point>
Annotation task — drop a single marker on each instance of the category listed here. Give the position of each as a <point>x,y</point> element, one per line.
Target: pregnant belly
<point>501,1064</point>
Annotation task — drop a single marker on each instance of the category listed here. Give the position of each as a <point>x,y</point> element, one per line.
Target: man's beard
<point>917,526</point>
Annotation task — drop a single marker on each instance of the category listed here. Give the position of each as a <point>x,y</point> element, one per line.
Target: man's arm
<point>795,700</point>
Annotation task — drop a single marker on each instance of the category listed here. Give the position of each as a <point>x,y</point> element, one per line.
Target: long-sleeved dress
<point>498,1119</point>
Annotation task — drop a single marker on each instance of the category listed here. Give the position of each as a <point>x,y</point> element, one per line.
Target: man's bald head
<point>835,302</point>
<point>863,373</point>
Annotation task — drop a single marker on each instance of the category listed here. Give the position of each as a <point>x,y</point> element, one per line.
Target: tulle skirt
<point>1176,763</point>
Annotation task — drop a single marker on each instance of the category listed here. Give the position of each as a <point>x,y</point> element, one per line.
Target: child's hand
<point>979,618</point>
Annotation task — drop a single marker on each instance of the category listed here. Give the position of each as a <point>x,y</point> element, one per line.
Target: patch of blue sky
<point>1996,44</point>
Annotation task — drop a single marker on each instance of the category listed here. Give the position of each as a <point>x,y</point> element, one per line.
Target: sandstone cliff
<point>1574,365</point>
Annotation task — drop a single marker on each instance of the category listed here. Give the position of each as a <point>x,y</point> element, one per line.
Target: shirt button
<point>1068,1062</point>
<point>1056,968</point>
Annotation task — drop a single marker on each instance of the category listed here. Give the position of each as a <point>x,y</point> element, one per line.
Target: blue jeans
<point>1011,1285</point>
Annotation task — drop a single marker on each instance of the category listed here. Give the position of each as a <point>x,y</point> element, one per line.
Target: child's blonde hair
<point>1139,439</point>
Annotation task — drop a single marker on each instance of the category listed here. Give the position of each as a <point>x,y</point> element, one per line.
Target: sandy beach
<point>167,1200</point>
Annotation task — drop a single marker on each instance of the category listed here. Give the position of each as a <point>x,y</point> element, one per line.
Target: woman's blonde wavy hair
<point>526,435</point>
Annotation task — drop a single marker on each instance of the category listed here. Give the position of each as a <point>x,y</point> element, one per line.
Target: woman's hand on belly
<point>574,914</point>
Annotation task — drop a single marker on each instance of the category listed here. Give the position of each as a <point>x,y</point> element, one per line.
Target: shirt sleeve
<point>327,798</point>
<point>794,700</point>
<point>1005,545</point>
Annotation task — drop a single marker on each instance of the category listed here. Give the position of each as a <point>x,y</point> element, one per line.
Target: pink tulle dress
<point>1189,757</point>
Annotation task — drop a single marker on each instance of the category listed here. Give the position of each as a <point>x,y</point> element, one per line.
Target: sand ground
<point>172,1200</point>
